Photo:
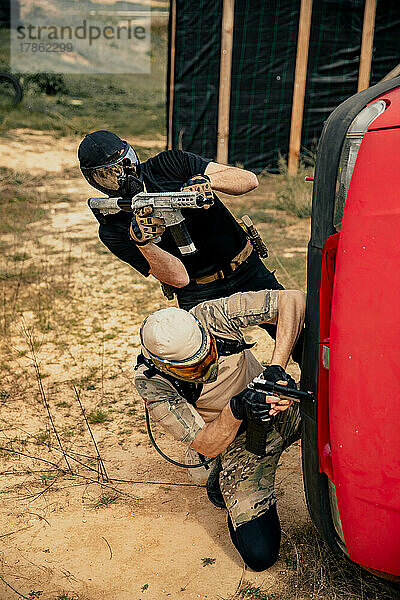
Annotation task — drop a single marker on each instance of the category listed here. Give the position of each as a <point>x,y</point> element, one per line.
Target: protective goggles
<point>202,367</point>
<point>110,178</point>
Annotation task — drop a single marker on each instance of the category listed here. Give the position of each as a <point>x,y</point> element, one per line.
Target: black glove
<point>250,405</point>
<point>276,373</point>
<point>201,184</point>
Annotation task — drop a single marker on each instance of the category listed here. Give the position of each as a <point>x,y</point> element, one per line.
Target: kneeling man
<point>192,373</point>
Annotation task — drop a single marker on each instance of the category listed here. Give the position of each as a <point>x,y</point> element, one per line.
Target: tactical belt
<point>234,264</point>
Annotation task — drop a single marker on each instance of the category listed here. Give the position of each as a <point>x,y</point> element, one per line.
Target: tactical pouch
<point>251,231</point>
<point>256,436</point>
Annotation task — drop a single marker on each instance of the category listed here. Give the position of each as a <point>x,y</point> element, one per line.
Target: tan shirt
<point>225,318</point>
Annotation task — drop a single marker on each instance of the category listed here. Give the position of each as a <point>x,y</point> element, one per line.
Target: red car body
<point>351,442</point>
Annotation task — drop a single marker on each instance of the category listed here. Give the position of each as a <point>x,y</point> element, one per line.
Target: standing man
<point>192,374</point>
<point>225,262</point>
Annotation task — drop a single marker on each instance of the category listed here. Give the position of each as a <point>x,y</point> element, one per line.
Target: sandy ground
<point>149,542</point>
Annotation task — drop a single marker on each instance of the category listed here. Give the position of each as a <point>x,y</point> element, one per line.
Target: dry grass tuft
<point>314,572</point>
<point>20,202</point>
<point>294,194</point>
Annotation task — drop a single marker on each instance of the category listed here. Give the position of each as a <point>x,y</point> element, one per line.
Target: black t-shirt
<point>214,231</point>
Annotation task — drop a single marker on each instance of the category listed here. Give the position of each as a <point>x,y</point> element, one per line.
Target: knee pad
<point>258,540</point>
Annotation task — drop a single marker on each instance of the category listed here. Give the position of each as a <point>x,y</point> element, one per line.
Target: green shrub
<point>47,83</point>
<point>98,416</point>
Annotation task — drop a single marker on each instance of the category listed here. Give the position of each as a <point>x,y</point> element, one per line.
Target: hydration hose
<point>174,462</point>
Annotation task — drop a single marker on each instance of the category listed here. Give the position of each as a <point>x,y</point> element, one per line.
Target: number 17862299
<point>46,47</point>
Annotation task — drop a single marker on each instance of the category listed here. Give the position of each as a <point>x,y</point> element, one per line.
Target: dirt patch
<point>38,151</point>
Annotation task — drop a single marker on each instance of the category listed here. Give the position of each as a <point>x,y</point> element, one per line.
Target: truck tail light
<point>351,146</point>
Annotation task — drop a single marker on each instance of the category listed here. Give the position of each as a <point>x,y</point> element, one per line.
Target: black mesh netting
<point>264,55</point>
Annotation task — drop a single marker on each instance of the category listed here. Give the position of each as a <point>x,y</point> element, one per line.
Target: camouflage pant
<point>246,480</point>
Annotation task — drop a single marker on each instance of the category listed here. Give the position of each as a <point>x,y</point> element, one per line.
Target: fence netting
<point>263,68</point>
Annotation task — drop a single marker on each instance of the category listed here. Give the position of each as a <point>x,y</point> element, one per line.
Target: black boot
<point>213,488</point>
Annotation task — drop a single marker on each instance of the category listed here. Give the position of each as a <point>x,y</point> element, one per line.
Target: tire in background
<point>11,92</point>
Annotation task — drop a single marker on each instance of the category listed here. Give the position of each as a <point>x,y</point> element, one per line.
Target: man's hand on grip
<point>202,185</point>
<point>250,405</point>
<point>145,228</point>
<point>276,374</point>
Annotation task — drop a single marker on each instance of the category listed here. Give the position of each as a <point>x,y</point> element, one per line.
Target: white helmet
<point>178,344</point>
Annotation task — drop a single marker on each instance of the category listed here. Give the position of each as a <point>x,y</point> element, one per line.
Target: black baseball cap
<point>98,147</point>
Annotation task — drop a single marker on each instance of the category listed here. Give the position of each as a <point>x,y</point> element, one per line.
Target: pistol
<point>167,205</point>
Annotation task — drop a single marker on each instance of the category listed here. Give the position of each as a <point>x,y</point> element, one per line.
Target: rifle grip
<point>256,438</point>
<point>182,238</point>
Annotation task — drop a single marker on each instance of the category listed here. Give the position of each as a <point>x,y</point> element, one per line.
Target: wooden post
<point>224,100</point>
<point>393,73</point>
<point>366,45</point>
<point>172,74</point>
<point>299,85</point>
